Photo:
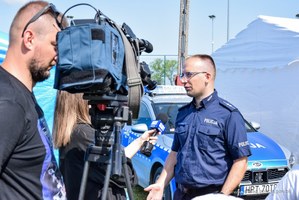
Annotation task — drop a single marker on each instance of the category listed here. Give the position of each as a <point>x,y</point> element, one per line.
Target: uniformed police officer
<point>210,146</point>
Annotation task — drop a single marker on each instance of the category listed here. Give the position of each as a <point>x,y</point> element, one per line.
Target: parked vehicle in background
<point>268,163</point>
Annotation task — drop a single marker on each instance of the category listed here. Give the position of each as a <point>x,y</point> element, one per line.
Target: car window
<point>170,110</point>
<point>143,116</point>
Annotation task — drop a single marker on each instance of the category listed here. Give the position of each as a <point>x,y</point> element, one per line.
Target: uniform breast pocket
<point>207,137</point>
<point>182,132</point>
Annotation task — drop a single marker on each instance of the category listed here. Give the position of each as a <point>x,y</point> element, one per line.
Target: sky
<point>158,20</point>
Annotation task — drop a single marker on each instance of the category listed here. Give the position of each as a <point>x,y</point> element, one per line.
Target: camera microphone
<point>158,126</point>
<point>145,45</point>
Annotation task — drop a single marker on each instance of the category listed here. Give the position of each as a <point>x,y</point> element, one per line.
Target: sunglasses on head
<point>49,8</point>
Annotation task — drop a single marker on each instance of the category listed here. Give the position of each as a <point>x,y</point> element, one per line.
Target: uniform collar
<point>207,101</point>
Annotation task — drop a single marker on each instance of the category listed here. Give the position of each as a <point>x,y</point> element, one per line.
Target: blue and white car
<point>267,165</point>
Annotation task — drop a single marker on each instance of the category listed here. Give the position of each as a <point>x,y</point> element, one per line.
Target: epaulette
<point>227,105</point>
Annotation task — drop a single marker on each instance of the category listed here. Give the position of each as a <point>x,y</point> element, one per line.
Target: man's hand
<point>155,192</point>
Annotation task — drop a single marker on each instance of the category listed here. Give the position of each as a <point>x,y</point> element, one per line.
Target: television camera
<point>100,59</point>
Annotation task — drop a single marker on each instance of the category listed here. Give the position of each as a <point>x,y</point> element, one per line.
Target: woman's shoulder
<point>83,133</point>
<point>80,127</point>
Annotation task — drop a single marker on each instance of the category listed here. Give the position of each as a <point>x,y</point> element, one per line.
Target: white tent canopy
<point>258,71</point>
<point>267,42</point>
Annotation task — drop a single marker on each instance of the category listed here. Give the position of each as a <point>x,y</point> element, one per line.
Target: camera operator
<point>28,166</point>
<point>72,134</point>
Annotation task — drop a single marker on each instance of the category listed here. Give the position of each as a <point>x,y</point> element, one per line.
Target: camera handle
<point>98,12</point>
<point>114,156</point>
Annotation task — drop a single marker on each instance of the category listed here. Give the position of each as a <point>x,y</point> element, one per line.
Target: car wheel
<point>167,191</point>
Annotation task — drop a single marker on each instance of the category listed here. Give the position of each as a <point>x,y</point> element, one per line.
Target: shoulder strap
<point>227,105</point>
<point>133,77</point>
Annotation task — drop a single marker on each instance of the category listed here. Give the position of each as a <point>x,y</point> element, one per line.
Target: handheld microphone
<point>147,147</point>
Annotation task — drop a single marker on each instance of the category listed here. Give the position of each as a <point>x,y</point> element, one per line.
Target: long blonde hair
<point>70,109</point>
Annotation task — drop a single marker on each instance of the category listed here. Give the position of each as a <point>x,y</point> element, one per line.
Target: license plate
<point>257,189</point>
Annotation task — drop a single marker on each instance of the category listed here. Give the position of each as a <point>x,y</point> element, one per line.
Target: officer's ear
<point>208,76</point>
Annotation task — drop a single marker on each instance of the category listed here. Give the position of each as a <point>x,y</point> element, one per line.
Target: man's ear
<point>28,39</point>
<point>208,76</point>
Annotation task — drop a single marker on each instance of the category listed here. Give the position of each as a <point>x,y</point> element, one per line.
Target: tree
<point>163,69</point>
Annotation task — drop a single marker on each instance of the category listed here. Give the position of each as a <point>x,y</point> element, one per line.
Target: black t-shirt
<point>28,166</point>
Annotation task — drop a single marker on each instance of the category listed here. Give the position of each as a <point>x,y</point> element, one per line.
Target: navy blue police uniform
<point>207,141</point>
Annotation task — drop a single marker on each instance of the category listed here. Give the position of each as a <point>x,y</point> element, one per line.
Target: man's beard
<point>38,73</point>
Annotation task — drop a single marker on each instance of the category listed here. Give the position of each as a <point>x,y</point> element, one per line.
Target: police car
<point>268,163</point>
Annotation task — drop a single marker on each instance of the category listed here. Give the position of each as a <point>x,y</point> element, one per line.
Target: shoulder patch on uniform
<point>227,105</point>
